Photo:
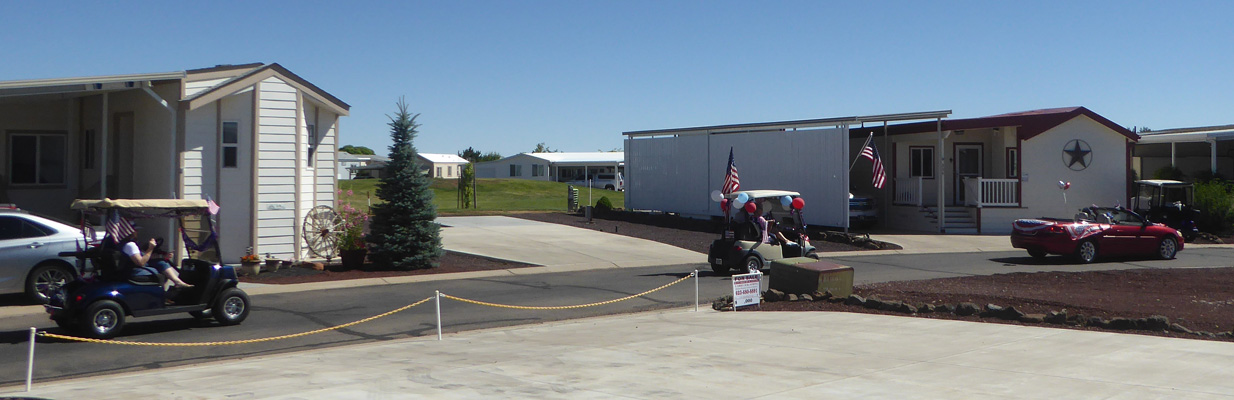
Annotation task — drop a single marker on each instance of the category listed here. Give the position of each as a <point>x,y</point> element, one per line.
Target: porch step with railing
<point>958,219</point>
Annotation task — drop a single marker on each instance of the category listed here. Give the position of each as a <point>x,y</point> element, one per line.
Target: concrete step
<point>961,231</point>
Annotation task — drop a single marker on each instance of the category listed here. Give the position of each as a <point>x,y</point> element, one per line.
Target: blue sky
<point>504,75</point>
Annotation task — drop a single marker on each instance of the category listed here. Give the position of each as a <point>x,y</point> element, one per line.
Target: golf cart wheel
<point>719,269</point>
<point>1168,248</point>
<point>1086,252</point>
<point>203,314</point>
<point>812,254</point>
<point>231,307</point>
<point>47,279</point>
<point>1036,253</point>
<point>753,263</point>
<point>66,323</point>
<point>103,319</point>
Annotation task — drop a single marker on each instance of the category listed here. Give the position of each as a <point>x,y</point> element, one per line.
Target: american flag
<point>119,227</point>
<point>731,182</point>
<point>880,176</point>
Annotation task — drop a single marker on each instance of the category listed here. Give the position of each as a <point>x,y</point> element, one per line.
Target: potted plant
<point>351,246</point>
<point>250,264</point>
<point>272,264</point>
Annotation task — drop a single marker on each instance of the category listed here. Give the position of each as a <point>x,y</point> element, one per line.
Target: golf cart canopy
<point>1162,182</point>
<point>763,194</point>
<point>148,204</point>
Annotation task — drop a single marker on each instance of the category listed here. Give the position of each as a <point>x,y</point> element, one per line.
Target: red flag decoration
<point>880,176</point>
<point>119,227</point>
<point>731,182</point>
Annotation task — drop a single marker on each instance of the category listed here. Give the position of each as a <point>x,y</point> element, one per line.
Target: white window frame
<point>923,160</point>
<point>311,134</point>
<point>38,154</point>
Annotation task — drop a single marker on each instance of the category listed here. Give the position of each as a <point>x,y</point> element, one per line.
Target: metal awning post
<point>1172,148</point>
<point>103,151</point>
<point>174,153</point>
<point>1212,157</point>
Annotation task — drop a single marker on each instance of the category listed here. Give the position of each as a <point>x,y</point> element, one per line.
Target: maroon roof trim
<point>1029,123</point>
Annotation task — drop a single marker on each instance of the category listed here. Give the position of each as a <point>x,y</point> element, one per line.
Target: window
<point>921,162</point>
<point>36,158</point>
<point>1013,162</point>
<point>311,130</point>
<point>535,169</point>
<point>87,149</point>
<point>231,141</point>
<point>449,172</point>
<point>438,172</point>
<point>516,170</point>
<point>19,228</point>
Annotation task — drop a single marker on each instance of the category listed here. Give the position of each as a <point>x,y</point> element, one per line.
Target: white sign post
<point>746,289</point>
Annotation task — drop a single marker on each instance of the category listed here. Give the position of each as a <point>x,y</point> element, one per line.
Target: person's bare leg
<point>174,276</point>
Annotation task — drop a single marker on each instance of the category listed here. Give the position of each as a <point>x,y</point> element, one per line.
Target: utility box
<point>803,275</point>
<point>571,198</point>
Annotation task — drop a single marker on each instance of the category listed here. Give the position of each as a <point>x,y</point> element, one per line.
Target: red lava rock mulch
<point>448,263</point>
<point>1201,299</point>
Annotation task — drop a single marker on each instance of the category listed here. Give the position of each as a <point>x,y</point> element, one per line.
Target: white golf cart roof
<point>763,194</point>
<point>168,204</point>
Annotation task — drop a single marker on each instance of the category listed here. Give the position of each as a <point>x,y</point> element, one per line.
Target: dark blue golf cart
<point>111,288</point>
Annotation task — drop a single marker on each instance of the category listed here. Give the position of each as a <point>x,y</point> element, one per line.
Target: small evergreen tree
<point>465,181</point>
<point>402,232</point>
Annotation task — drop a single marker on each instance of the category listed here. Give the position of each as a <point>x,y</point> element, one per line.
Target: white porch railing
<point>983,192</point>
<point>908,191</point>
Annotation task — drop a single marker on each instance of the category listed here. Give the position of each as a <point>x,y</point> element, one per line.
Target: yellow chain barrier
<point>485,303</point>
<point>234,342</point>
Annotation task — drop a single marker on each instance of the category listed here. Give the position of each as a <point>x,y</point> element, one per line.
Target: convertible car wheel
<point>1086,252</point>
<point>1036,253</point>
<point>231,307</point>
<point>1168,248</point>
<point>103,319</point>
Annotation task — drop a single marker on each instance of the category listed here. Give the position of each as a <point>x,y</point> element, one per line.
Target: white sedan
<point>29,254</point>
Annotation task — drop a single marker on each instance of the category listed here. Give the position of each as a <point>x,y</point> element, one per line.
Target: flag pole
<point>863,146</point>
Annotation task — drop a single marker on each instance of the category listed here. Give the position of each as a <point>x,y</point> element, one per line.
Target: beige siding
<point>277,124</point>
<point>192,88</point>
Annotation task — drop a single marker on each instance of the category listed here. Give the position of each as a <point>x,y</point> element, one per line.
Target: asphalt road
<point>281,314</point>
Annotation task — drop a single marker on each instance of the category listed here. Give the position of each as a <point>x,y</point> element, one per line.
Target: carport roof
<point>1028,123</point>
<point>30,87</point>
<point>1184,135</point>
<point>787,125</point>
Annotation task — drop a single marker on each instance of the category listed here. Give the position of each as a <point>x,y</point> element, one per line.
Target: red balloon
<point>798,203</point>
<point>750,207</point>
<point>724,205</point>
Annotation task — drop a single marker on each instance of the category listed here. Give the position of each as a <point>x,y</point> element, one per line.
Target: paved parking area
<point>558,246</point>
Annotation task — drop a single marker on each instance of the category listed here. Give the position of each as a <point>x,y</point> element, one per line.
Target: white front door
<point>968,164</point>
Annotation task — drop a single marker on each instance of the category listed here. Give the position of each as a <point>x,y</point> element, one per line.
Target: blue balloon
<point>786,201</point>
<point>743,198</point>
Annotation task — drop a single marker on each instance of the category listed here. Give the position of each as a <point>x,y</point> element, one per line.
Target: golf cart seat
<point>145,276</point>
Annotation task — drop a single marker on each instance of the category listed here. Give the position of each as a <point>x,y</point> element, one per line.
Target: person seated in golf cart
<point>145,258</point>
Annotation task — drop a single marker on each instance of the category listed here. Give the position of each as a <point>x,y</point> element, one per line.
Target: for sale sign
<point>746,289</point>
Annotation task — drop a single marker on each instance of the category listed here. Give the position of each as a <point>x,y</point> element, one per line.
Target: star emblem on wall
<point>1077,155</point>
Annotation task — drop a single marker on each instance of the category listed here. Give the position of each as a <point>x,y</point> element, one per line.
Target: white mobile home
<point>449,166</point>
<point>960,175</point>
<point>560,167</point>
<point>246,135</point>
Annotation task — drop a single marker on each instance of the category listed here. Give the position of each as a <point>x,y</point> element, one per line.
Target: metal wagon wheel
<point>322,228</point>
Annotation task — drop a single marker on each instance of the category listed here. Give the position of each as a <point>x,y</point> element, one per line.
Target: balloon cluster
<point>742,202</point>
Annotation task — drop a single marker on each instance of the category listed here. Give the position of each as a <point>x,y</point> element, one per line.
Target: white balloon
<point>716,196</point>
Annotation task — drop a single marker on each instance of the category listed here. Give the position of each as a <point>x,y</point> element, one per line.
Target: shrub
<point>1215,200</point>
<point>351,222</point>
<point>1208,175</point>
<point>1169,172</point>
<point>604,204</point>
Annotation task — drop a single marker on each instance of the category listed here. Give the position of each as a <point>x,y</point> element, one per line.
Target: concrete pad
<point>560,247</point>
<point>679,354</point>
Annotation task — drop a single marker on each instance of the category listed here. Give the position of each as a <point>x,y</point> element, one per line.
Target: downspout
<point>938,173</point>
<point>1212,158</point>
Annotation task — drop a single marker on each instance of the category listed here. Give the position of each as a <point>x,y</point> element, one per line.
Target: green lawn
<point>494,195</point>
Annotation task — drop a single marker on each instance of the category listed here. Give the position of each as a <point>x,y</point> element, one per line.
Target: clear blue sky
<point>504,75</point>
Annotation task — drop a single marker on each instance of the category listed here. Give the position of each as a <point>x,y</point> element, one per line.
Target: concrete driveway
<point>559,247</point>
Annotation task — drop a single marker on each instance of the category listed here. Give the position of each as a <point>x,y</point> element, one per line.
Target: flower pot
<point>272,265</point>
<point>353,259</point>
<point>250,268</point>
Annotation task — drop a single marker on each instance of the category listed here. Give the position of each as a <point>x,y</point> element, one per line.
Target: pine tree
<point>402,234</point>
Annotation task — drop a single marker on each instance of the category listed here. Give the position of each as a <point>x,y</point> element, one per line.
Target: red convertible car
<point>1096,230</point>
